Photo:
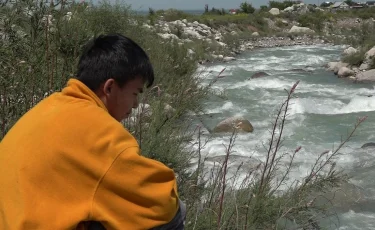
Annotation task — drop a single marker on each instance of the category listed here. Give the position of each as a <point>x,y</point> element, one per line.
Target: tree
<point>326,4</point>
<point>206,8</point>
<point>350,2</point>
<point>281,5</point>
<point>151,11</point>
<point>247,8</point>
<point>263,8</point>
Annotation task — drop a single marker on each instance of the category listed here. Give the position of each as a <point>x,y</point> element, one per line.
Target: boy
<point>68,163</point>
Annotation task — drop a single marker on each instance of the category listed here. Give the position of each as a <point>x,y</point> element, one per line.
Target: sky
<point>198,4</point>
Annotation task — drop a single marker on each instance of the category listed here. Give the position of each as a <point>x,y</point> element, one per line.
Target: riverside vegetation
<point>39,48</point>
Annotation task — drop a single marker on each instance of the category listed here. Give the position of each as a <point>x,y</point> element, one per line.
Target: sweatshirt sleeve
<point>135,193</point>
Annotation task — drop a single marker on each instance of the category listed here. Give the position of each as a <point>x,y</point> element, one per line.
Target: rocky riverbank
<point>363,70</point>
<point>225,43</point>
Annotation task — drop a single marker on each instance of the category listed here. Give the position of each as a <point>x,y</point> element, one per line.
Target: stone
<point>349,51</point>
<point>259,74</point>
<point>338,66</point>
<point>232,123</point>
<point>289,9</point>
<point>143,110</point>
<point>168,36</point>
<point>169,110</point>
<point>222,44</point>
<point>189,32</point>
<point>367,76</point>
<point>331,66</point>
<point>368,145</point>
<point>364,66</point>
<point>190,53</point>
<point>226,59</point>
<point>370,54</point>
<point>297,29</point>
<point>255,34</point>
<point>345,72</point>
<point>274,11</point>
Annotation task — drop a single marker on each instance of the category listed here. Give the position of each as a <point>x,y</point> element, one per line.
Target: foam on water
<point>352,218</point>
<point>332,106</point>
<point>264,83</point>
<point>358,104</point>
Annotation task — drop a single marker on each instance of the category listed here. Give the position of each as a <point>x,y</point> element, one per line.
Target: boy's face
<point>121,100</point>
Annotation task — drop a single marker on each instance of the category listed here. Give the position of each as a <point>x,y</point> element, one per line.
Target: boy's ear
<point>108,85</point>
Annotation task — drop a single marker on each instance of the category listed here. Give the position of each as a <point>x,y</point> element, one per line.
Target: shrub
<point>355,59</point>
<point>313,20</point>
<point>173,15</point>
<point>372,63</point>
<point>41,61</point>
<point>263,8</point>
<point>247,8</point>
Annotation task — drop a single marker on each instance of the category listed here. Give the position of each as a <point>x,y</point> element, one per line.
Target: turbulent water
<point>325,110</point>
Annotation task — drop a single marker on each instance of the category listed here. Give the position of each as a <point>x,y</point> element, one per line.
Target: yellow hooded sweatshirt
<point>67,160</point>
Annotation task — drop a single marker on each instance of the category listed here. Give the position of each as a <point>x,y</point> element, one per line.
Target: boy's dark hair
<point>113,56</point>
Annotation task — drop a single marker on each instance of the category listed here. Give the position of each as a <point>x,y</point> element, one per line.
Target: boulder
<point>368,145</point>
<point>190,53</point>
<point>147,26</point>
<point>143,110</point>
<point>289,9</point>
<point>205,27</point>
<point>301,70</point>
<point>190,32</point>
<point>349,51</point>
<point>331,66</point>
<point>345,72</point>
<point>255,34</point>
<point>274,11</point>
<point>338,66</point>
<point>168,36</point>
<point>217,56</point>
<point>364,66</point>
<point>169,110</point>
<point>222,44</point>
<point>369,55</point>
<point>297,29</point>
<point>259,74</point>
<point>218,37</point>
<point>367,76</point>
<point>178,23</point>
<point>229,124</point>
<point>226,59</point>
<point>285,22</point>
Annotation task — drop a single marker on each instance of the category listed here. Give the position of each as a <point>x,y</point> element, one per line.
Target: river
<point>325,110</point>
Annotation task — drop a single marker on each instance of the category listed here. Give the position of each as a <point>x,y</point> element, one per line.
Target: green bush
<point>215,11</point>
<point>41,61</point>
<point>372,63</point>
<point>313,20</point>
<point>355,59</point>
<point>172,15</point>
<point>247,8</point>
